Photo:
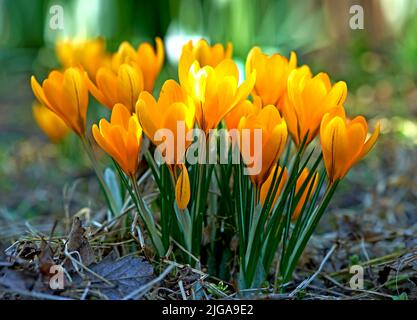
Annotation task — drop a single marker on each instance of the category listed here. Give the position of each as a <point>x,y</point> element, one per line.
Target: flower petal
<point>182,189</point>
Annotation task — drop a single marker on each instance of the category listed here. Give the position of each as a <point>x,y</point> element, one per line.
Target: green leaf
<point>113,184</point>
<point>402,296</point>
<point>144,212</point>
<point>306,233</point>
<point>186,226</point>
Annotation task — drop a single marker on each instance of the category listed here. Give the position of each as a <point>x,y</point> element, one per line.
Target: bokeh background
<point>39,180</point>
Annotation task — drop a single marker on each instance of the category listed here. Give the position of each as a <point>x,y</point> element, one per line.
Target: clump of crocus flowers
<point>287,106</point>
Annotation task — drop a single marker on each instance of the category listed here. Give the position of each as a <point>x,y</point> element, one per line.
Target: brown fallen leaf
<point>77,241</point>
<point>126,274</point>
<point>16,279</point>
<point>46,260</point>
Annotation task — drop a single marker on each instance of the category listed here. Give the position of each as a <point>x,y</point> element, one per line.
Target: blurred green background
<point>379,63</point>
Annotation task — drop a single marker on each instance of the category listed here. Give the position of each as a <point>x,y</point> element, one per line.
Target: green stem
<point>197,212</point>
<point>106,191</point>
<point>137,194</point>
<point>199,187</point>
<point>257,191</point>
<point>147,218</point>
<point>306,233</point>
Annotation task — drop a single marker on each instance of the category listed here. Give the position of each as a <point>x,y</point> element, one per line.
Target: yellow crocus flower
<point>274,138</point>
<point>122,87</point>
<point>215,91</point>
<point>308,99</point>
<point>66,94</point>
<point>205,54</point>
<point>300,181</point>
<point>182,188</point>
<point>145,57</point>
<point>268,185</point>
<point>271,75</point>
<point>89,54</point>
<point>344,142</point>
<point>121,138</point>
<point>208,55</point>
<point>243,109</point>
<point>49,122</point>
<point>173,105</point>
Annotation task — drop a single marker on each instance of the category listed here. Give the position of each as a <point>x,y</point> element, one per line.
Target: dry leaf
<point>77,241</point>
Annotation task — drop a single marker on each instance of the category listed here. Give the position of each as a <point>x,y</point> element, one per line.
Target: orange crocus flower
<point>65,94</point>
<point>173,108</point>
<point>271,74</point>
<point>300,181</point>
<point>344,142</point>
<point>90,54</point>
<point>208,55</point>
<point>120,138</point>
<point>122,87</point>
<point>49,122</point>
<point>145,57</point>
<point>205,54</point>
<point>268,182</point>
<point>274,138</point>
<point>243,109</point>
<point>215,91</point>
<point>308,99</point>
<point>182,188</point>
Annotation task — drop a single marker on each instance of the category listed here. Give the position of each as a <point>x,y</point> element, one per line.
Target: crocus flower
<point>274,138</point>
<point>120,138</point>
<point>308,99</point>
<point>344,142</point>
<point>49,122</point>
<point>122,87</point>
<point>215,91</point>
<point>182,188</point>
<point>205,54</point>
<point>66,94</point>
<point>303,198</point>
<point>268,184</point>
<point>89,54</point>
<point>173,108</point>
<point>174,111</point>
<point>243,109</point>
<point>145,57</point>
<point>208,55</point>
<point>271,74</point>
